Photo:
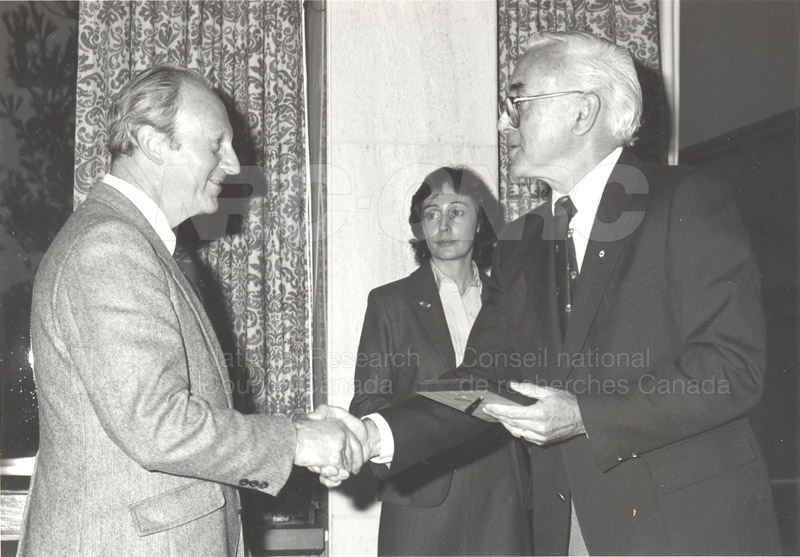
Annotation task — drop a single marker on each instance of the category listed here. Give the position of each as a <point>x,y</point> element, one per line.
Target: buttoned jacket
<point>665,352</point>
<point>405,339</point>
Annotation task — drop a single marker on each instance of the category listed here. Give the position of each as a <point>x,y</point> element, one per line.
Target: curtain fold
<point>632,24</point>
<point>257,288</point>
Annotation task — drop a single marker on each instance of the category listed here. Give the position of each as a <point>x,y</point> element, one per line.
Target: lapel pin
<point>424,304</point>
<point>602,253</point>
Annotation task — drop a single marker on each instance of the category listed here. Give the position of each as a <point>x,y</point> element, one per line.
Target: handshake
<point>333,443</point>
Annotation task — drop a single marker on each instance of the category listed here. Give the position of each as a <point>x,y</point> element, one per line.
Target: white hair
<point>603,68</point>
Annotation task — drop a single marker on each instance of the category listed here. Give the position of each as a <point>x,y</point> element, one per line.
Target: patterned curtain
<point>629,23</point>
<point>257,288</point>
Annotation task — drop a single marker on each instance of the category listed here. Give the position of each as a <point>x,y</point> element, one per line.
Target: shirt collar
<point>441,278</point>
<point>587,193</point>
<point>149,209</point>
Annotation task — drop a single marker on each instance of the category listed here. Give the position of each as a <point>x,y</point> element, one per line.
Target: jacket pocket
<point>699,458</point>
<point>176,507</point>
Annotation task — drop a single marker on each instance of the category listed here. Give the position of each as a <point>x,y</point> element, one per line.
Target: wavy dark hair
<point>464,181</point>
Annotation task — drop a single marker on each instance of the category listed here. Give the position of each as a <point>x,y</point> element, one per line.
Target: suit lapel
<point>539,277</point>
<point>484,290</point>
<point>427,304</point>
<point>618,216</point>
<point>103,193</point>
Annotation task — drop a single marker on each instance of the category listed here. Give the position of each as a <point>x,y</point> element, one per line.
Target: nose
<point>504,123</point>
<point>230,162</point>
<point>444,223</point>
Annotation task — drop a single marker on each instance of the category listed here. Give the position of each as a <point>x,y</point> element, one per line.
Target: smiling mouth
<point>218,184</point>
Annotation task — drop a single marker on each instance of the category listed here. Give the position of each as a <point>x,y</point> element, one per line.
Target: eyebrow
<point>515,87</point>
<point>432,203</point>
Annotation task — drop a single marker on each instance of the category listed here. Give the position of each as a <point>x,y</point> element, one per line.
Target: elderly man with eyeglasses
<point>636,286</point>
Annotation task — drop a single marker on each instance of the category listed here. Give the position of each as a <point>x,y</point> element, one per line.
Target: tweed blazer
<point>140,448</point>
<point>665,352</point>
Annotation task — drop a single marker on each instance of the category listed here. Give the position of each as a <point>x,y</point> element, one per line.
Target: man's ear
<point>152,143</point>
<point>586,117</point>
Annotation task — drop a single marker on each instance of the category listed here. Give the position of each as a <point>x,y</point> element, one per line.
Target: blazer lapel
<point>106,194</point>
<point>539,278</point>
<point>427,306</point>
<point>620,212</point>
<point>484,290</point>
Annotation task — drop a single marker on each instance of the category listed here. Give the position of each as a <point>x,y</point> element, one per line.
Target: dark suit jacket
<point>667,308</point>
<point>405,340</point>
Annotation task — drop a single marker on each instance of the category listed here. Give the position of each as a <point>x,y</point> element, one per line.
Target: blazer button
<point>264,485</point>
<point>244,483</point>
<point>253,483</point>
<point>634,455</point>
<point>620,459</point>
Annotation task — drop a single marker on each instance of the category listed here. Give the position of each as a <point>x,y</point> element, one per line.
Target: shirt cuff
<point>387,439</point>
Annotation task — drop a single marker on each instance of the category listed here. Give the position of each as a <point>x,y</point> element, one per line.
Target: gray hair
<point>151,98</point>
<point>604,68</point>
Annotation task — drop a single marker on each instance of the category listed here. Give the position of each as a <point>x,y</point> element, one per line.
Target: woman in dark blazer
<point>469,500</point>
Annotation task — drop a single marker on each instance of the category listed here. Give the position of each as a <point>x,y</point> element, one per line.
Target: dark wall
<point>739,98</point>
<point>761,166</point>
<point>739,64</point>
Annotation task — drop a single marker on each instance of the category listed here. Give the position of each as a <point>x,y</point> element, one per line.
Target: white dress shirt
<point>585,195</point>
<point>151,211</point>
<point>460,310</point>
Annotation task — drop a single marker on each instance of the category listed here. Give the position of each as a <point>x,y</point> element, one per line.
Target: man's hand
<point>553,418</point>
<point>329,476</point>
<point>365,433</point>
<point>327,444</point>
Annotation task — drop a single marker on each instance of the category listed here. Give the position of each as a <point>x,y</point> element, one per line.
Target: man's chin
<point>211,197</point>
<point>521,172</point>
<point>212,206</point>
<point>209,206</point>
<point>546,173</point>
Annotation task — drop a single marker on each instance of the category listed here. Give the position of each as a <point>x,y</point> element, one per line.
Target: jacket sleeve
<point>715,295</point>
<point>113,305</point>
<point>423,428</point>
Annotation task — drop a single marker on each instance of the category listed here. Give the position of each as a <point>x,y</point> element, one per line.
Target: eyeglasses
<point>509,104</point>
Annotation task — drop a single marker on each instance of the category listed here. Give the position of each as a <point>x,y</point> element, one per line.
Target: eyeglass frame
<point>509,104</point>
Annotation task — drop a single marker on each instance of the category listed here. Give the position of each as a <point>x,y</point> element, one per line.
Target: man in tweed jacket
<point>141,450</point>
